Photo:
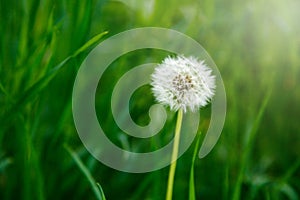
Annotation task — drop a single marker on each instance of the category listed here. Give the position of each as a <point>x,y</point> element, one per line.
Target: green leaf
<point>95,186</point>
<point>101,190</point>
<point>288,191</point>
<point>89,43</point>
<point>249,146</point>
<point>192,195</point>
<point>4,163</point>
<point>43,82</point>
<point>291,171</point>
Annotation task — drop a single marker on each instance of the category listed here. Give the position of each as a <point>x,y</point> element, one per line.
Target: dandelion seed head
<point>183,83</point>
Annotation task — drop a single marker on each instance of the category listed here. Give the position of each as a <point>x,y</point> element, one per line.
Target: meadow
<point>256,46</point>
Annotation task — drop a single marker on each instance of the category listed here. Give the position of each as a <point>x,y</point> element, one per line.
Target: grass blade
<point>248,148</point>
<point>43,82</point>
<point>293,169</point>
<point>289,191</point>
<point>4,163</point>
<point>95,186</point>
<point>101,191</point>
<point>89,43</point>
<point>192,195</point>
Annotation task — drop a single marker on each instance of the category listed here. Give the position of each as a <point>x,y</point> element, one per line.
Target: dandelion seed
<point>183,83</point>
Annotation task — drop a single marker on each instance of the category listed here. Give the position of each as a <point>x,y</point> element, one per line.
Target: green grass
<point>256,46</point>
<point>192,192</point>
<point>95,186</point>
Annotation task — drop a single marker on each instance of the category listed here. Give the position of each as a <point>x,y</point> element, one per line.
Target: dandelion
<point>182,83</point>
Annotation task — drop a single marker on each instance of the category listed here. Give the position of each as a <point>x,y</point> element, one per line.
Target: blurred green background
<point>255,44</point>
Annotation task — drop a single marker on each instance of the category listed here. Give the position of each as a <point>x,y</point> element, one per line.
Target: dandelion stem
<point>174,155</point>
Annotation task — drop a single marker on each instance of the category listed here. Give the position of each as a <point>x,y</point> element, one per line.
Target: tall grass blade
<point>293,169</point>
<point>101,191</point>
<point>248,148</point>
<point>289,191</point>
<point>4,163</point>
<point>192,194</point>
<point>44,81</point>
<point>95,186</point>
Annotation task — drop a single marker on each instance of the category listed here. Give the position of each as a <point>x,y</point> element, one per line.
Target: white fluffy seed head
<point>183,82</point>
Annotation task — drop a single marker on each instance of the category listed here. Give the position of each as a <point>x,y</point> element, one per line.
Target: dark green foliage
<point>256,46</point>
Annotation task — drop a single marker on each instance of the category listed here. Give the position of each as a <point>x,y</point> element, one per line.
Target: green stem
<point>174,155</point>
